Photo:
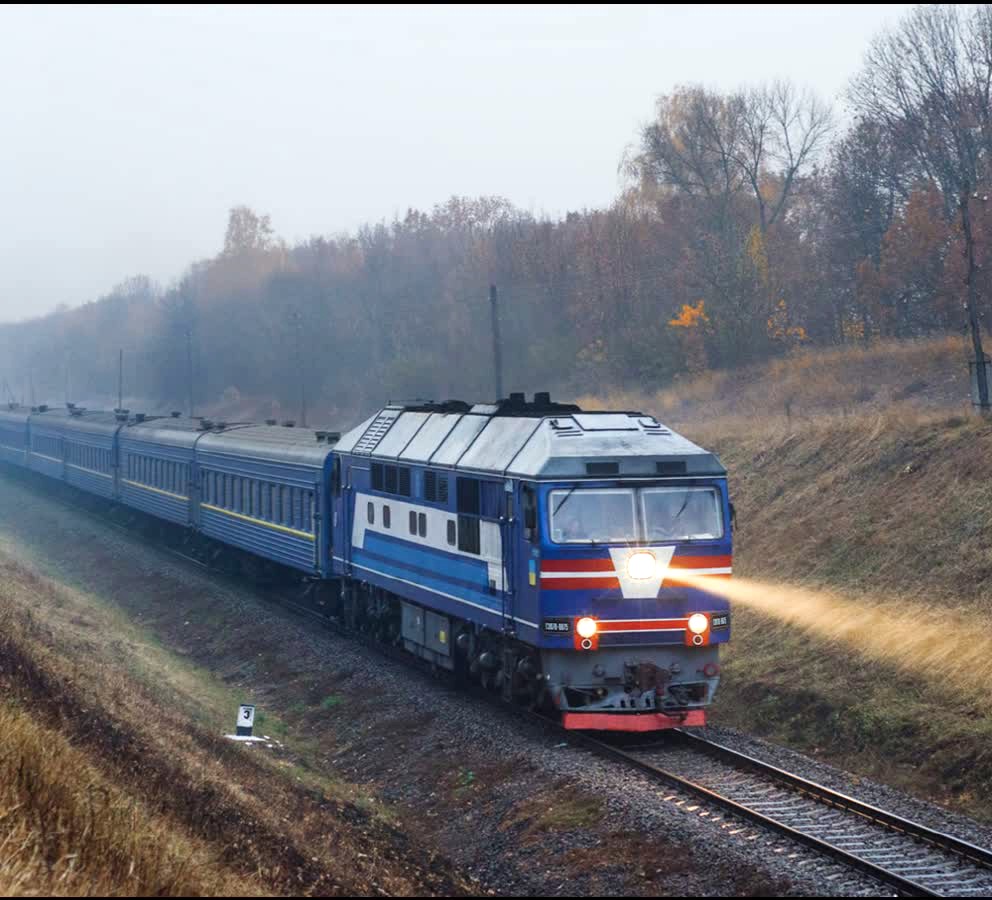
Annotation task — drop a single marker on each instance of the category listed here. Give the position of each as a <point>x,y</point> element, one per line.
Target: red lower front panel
<point>603,721</point>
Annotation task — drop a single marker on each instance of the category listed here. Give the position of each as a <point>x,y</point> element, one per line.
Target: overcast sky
<point>127,133</point>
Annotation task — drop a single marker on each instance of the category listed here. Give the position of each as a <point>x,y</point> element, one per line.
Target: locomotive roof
<point>273,443</point>
<point>534,441</point>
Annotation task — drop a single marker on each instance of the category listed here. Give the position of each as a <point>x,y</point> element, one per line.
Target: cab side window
<point>529,502</point>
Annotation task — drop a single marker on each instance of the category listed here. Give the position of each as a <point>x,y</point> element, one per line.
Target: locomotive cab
<point>558,556</point>
<point>630,624</point>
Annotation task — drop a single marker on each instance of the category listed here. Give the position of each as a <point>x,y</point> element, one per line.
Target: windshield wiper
<point>564,500</point>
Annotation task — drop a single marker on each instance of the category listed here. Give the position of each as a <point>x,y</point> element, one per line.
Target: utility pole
<point>298,322</point>
<point>981,360</point>
<point>189,368</point>
<point>497,343</point>
<point>120,381</point>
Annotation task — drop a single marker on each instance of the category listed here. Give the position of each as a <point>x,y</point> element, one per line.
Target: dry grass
<point>65,829</point>
<point>850,380</point>
<point>110,785</point>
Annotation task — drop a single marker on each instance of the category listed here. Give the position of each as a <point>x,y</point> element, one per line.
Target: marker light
<point>698,623</point>
<point>586,627</point>
<point>642,565</point>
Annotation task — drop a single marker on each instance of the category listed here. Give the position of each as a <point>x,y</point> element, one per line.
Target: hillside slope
<point>861,480</point>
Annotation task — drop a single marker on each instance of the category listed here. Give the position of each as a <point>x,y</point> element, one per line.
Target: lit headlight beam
<point>642,565</point>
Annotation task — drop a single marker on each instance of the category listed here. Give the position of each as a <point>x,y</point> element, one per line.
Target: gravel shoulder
<point>515,811</point>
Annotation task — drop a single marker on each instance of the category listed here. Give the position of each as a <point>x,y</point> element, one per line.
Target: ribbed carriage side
<point>263,489</point>
<point>157,465</point>
<point>90,451</point>
<point>14,436</point>
<point>46,452</point>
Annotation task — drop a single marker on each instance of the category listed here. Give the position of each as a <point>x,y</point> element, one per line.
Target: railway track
<point>907,857</point>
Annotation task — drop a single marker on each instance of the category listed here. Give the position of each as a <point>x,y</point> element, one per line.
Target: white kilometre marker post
<point>245,726</point>
<point>246,720</point>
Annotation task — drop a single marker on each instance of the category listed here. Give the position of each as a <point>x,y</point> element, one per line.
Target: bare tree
<point>758,140</point>
<point>929,84</point>
<point>781,130</point>
<point>247,231</point>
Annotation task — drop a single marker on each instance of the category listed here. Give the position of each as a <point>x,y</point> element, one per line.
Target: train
<point>561,558</point>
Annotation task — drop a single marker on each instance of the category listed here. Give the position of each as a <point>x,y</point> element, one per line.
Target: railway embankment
<point>889,514</point>
<point>113,782</point>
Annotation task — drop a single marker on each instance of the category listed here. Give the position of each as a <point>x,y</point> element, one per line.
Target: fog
<point>130,132</point>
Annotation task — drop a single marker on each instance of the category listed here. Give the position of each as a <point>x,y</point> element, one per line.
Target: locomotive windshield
<point>592,516</point>
<point>625,515</point>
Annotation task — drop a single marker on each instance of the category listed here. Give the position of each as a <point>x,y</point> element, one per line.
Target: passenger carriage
<point>46,442</point>
<point>157,462</point>
<point>14,434</point>
<point>263,489</point>
<point>89,447</point>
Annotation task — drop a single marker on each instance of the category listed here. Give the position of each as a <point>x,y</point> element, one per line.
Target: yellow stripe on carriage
<point>145,487</point>
<point>302,534</point>
<point>89,471</point>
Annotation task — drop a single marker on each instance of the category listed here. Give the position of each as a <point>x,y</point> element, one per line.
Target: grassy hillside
<point>892,514</point>
<point>115,780</point>
<point>853,380</point>
<point>865,524</point>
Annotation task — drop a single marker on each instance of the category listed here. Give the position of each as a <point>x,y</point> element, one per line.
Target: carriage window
<point>430,486</point>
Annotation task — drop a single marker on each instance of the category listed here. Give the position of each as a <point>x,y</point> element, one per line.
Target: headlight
<point>698,623</point>
<point>642,565</point>
<point>586,627</point>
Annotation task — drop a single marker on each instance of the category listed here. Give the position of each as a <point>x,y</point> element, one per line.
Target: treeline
<point>753,223</point>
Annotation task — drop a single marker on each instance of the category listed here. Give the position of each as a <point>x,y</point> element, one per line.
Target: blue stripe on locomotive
<point>455,583</point>
<point>266,539</point>
<point>450,582</point>
<point>173,506</point>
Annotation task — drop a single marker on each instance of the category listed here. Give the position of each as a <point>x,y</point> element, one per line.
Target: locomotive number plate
<point>720,621</point>
<point>557,626</point>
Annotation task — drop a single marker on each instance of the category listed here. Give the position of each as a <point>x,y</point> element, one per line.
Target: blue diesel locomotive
<point>560,557</point>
